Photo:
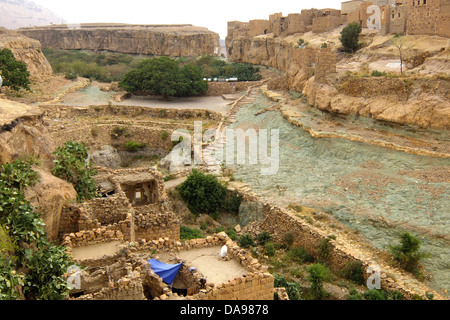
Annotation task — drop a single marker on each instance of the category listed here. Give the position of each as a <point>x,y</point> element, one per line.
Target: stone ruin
<point>132,215</point>
<point>430,17</point>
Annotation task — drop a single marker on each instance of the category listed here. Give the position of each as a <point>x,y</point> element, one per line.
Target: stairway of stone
<point>212,164</point>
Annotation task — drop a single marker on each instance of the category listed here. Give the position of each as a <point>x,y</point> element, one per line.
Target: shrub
<point>407,253</point>
<point>292,288</point>
<point>299,255</point>
<point>288,239</point>
<point>134,146</point>
<point>187,233</point>
<point>232,202</point>
<point>270,249</point>
<point>324,249</point>
<point>164,135</point>
<point>14,73</point>
<point>246,241</point>
<point>263,237</point>
<point>375,294</point>
<point>353,271</point>
<point>203,193</point>
<point>318,273</point>
<point>350,35</point>
<point>118,132</point>
<point>232,234</point>
<point>70,165</point>
<point>376,73</point>
<point>354,295</point>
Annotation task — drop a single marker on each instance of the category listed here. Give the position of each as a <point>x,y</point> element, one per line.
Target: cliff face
<point>323,80</point>
<point>26,50</point>
<point>22,134</point>
<point>170,40</point>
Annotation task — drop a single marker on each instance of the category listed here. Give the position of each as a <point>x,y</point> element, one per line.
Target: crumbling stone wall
<point>279,222</point>
<point>326,23</point>
<point>325,64</point>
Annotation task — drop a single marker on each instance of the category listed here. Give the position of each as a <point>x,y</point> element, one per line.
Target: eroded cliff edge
<point>342,83</point>
<point>165,40</point>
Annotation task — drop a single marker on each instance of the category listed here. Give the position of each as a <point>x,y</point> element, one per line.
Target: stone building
<point>429,17</point>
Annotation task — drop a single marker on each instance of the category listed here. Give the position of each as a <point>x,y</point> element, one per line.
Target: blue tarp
<point>167,272</point>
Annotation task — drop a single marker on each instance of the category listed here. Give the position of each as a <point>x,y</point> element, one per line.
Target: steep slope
<point>166,40</point>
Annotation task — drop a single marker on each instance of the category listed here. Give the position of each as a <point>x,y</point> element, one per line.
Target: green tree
<point>163,76</point>
<point>407,253</point>
<point>350,35</point>
<point>318,273</point>
<point>14,73</point>
<point>203,193</point>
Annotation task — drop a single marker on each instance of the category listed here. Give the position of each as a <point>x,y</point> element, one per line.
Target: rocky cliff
<point>24,134</point>
<point>419,97</point>
<point>166,40</point>
<point>26,50</point>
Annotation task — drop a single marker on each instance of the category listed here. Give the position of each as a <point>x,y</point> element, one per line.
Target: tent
<point>167,272</point>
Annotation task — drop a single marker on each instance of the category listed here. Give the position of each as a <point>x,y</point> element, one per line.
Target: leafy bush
<point>14,73</point>
<point>407,253</point>
<point>232,234</point>
<point>246,241</point>
<point>288,239</point>
<point>376,73</point>
<point>292,288</point>
<point>350,35</point>
<point>270,249</point>
<point>263,237</point>
<point>134,146</point>
<point>70,165</point>
<point>324,249</point>
<point>203,193</point>
<point>354,295</point>
<point>299,255</point>
<point>353,271</point>
<point>42,265</point>
<point>187,233</point>
<point>318,273</point>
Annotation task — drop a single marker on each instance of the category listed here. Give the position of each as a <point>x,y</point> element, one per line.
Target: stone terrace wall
<point>279,222</point>
<point>220,88</point>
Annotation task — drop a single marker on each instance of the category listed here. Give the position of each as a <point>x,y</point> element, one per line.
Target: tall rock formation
<point>165,40</point>
<point>26,50</point>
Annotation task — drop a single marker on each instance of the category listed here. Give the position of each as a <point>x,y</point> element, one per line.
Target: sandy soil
<point>96,251</point>
<point>206,261</point>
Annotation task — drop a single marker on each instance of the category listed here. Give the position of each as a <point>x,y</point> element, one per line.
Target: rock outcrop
<point>28,51</point>
<point>321,75</point>
<point>23,134</point>
<point>165,40</point>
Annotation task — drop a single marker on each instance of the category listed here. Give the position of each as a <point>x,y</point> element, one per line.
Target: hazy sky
<point>205,13</point>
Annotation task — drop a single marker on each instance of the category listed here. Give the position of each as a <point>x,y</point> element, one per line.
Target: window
<point>424,1</point>
<point>399,15</point>
<point>393,16</point>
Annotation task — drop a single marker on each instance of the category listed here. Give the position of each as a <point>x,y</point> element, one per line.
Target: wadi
<point>306,156</point>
